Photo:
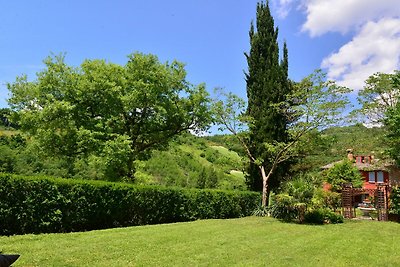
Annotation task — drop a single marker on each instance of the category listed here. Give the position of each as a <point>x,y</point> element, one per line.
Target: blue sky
<point>349,39</point>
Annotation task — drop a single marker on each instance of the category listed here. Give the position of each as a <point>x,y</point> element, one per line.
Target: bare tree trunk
<point>265,186</point>
<point>265,182</point>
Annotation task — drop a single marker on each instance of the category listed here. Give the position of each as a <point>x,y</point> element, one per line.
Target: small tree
<point>344,172</point>
<point>314,104</point>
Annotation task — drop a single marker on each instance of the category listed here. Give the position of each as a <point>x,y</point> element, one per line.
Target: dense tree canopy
<point>107,115</point>
<point>267,83</point>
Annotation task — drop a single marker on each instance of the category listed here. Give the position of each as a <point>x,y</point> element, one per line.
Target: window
<point>371,177</point>
<point>376,177</point>
<point>379,177</point>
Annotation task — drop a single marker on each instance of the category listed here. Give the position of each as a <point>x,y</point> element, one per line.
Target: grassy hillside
<point>7,131</point>
<point>251,241</point>
<point>192,161</point>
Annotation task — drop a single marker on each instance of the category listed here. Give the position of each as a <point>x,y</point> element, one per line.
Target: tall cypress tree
<point>267,83</point>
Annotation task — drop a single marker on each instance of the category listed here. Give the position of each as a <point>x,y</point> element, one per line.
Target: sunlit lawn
<point>248,241</point>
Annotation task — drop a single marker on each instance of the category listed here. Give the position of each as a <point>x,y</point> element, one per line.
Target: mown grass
<point>251,241</point>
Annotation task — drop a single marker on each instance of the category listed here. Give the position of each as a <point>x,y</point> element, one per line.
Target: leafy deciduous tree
<point>380,93</point>
<point>107,111</point>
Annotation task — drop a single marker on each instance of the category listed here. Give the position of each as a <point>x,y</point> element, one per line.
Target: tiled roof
<point>374,166</point>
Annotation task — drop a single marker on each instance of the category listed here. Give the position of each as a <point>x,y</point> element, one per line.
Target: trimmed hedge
<point>43,204</point>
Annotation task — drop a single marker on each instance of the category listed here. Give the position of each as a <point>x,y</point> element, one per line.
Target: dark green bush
<point>321,216</point>
<point>316,216</point>
<point>42,204</point>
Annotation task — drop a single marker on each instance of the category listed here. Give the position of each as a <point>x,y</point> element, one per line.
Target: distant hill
<point>182,164</point>
<point>196,162</point>
<point>216,161</point>
<point>336,140</point>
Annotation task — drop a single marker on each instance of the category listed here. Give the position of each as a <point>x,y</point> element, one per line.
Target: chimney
<point>350,155</point>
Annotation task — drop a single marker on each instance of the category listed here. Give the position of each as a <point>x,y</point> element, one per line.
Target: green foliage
<point>300,188</point>
<point>322,216</point>
<point>303,200</point>
<point>395,200</point>
<point>393,132</point>
<point>227,140</point>
<point>182,164</point>
<point>261,211</point>
<point>267,83</point>
<point>380,93</point>
<point>40,204</point>
<point>330,145</point>
<point>7,159</point>
<point>361,139</point>
<point>5,114</point>
<point>326,199</point>
<point>106,114</point>
<point>193,162</point>
<point>344,172</point>
<point>286,207</point>
<point>313,105</point>
<point>292,203</point>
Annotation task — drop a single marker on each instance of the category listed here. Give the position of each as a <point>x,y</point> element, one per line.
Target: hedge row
<point>42,204</point>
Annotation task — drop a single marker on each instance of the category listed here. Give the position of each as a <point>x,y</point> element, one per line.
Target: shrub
<point>285,207</point>
<point>327,199</point>
<point>321,216</point>
<point>43,204</point>
<point>212,155</point>
<point>300,188</point>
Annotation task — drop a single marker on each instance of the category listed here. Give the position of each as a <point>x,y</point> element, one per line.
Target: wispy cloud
<point>375,29</point>
<point>376,48</point>
<point>283,7</point>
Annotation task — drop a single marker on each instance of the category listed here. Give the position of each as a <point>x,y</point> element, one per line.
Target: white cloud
<point>376,48</point>
<point>374,25</point>
<point>344,15</point>
<point>283,7</point>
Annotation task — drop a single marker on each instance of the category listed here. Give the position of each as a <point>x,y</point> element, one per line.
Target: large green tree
<point>267,84</point>
<point>106,115</point>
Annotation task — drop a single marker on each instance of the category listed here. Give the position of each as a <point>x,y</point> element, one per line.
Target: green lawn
<point>251,241</point>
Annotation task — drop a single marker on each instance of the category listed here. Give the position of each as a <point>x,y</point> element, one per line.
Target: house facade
<point>374,174</point>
